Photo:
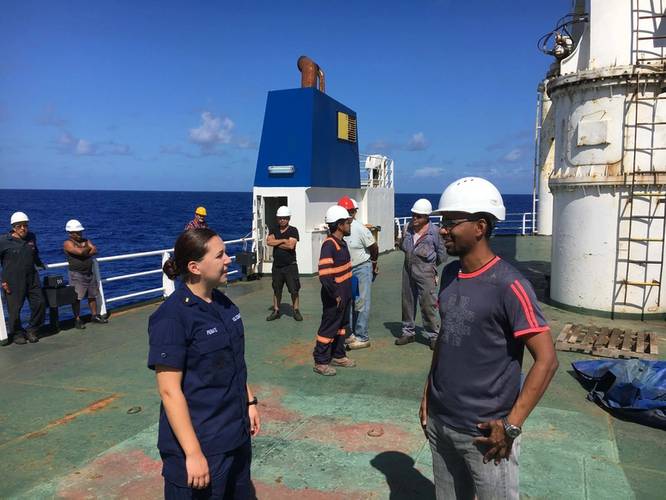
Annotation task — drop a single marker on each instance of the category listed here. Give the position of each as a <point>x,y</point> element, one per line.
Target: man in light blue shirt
<point>364,252</point>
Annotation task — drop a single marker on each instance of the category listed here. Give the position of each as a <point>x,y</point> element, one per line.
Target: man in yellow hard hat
<point>199,219</point>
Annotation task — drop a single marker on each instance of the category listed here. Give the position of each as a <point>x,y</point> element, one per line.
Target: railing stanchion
<point>523,228</point>
<point>168,285</point>
<point>101,301</point>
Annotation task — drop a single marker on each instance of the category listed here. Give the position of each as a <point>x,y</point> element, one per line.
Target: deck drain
<point>376,432</point>
<point>134,409</point>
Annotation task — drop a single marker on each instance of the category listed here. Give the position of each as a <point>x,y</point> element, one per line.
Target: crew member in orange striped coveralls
<point>336,293</point>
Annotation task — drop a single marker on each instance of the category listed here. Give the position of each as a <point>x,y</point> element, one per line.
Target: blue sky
<point>170,95</point>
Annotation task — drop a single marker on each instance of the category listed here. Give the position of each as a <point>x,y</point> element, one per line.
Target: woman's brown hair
<point>190,246</point>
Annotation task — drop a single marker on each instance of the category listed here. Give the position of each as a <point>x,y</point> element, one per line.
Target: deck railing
<point>166,289</point>
<point>515,223</point>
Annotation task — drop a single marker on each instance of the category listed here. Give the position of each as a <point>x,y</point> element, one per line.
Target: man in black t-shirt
<point>474,404</point>
<point>285,270</point>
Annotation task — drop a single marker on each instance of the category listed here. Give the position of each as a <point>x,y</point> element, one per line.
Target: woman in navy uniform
<point>208,412</point>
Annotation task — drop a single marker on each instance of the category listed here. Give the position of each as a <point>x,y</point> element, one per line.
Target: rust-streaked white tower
<point>606,118</point>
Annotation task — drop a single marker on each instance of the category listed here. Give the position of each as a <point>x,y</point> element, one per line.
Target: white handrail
<point>167,287</point>
<point>515,223</point>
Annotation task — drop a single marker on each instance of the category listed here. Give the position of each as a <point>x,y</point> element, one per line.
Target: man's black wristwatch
<point>513,431</point>
<point>253,402</point>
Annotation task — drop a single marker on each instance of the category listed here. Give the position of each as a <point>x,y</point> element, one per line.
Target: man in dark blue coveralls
<point>20,280</point>
<point>335,272</point>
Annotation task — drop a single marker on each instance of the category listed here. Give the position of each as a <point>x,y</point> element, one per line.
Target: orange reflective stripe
<point>344,277</point>
<point>324,340</point>
<point>333,270</point>
<point>325,260</point>
<point>337,247</point>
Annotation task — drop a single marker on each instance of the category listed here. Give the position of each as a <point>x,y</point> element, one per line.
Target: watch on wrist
<point>253,402</point>
<point>513,431</point>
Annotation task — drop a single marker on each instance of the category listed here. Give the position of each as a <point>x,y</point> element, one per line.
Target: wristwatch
<point>255,401</point>
<point>513,431</point>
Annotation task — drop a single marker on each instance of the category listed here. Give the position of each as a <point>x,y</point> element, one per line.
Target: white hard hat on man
<point>422,207</point>
<point>73,226</point>
<point>336,213</point>
<point>283,211</point>
<point>472,195</point>
<point>18,217</point>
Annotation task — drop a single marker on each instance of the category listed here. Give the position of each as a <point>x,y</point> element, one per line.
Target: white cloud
<point>212,131</point>
<point>513,155</point>
<point>428,172</point>
<point>417,142</point>
<point>69,144</point>
<point>84,147</point>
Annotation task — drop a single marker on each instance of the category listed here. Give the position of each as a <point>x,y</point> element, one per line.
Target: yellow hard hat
<point>201,211</point>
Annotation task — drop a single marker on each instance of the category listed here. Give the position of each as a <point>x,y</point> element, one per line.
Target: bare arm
<point>289,244</point>
<point>423,410</point>
<point>253,413</point>
<point>272,241</point>
<point>537,380</point>
<point>545,365</point>
<point>93,248</point>
<point>169,386</point>
<point>73,249</point>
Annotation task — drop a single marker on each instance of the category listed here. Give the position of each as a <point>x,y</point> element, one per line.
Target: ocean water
<point>121,222</point>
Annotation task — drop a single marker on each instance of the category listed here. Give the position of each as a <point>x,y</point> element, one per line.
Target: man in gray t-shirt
<point>473,405</point>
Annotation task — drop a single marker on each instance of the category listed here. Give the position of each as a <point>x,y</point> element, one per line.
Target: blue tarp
<point>634,389</point>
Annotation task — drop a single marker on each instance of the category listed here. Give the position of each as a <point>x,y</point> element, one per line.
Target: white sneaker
<point>350,339</point>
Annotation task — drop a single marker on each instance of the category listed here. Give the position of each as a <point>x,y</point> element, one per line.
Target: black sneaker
<point>99,319</point>
<point>297,315</point>
<point>31,337</point>
<point>78,324</point>
<point>405,339</point>
<point>273,316</point>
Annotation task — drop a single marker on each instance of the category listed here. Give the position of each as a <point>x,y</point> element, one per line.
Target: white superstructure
<point>309,204</point>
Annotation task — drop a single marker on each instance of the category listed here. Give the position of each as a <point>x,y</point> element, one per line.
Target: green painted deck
<point>65,430</point>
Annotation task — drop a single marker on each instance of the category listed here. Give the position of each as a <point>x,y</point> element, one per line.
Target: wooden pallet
<point>607,342</point>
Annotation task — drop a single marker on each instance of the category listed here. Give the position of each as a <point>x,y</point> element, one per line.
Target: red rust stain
<point>281,492</point>
<point>91,408</point>
<point>354,437</point>
<point>126,474</point>
<point>297,353</point>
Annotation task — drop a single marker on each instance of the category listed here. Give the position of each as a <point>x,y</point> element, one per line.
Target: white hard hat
<point>283,212</point>
<point>19,217</point>
<point>336,213</point>
<point>472,195</point>
<point>73,226</point>
<point>422,206</point>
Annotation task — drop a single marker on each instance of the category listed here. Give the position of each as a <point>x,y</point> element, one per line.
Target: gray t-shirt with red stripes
<point>485,317</point>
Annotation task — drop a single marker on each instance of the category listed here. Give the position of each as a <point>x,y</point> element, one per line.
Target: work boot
<point>297,315</point>
<point>350,339</point>
<point>31,337</point>
<point>20,339</point>
<point>78,324</point>
<point>273,316</point>
<point>325,370</point>
<point>98,318</point>
<point>358,344</point>
<point>405,339</point>
<point>344,362</point>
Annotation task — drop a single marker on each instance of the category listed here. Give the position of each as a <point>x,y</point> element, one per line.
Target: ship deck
<point>79,409</point>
